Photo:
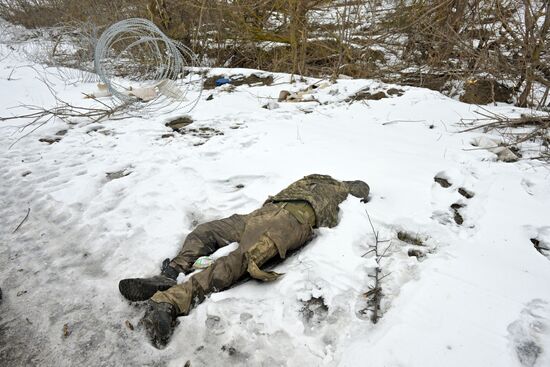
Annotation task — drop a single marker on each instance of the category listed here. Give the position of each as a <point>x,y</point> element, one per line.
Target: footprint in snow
<point>529,335</point>
<point>540,240</point>
<point>314,312</point>
<point>415,244</point>
<point>445,182</point>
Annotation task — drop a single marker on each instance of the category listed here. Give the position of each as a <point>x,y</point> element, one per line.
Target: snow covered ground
<point>475,294</point>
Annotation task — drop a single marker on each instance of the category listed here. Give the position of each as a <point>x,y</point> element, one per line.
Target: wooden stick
<point>23,221</point>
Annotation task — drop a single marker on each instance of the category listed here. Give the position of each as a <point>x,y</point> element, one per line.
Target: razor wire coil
<point>138,63</point>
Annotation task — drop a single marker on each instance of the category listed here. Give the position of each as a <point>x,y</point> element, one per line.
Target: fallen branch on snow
<point>67,112</point>
<point>538,127</point>
<point>23,221</point>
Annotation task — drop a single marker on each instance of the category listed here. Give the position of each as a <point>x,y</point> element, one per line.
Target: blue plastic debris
<point>222,81</point>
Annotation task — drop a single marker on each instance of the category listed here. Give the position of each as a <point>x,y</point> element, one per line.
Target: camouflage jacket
<point>324,194</point>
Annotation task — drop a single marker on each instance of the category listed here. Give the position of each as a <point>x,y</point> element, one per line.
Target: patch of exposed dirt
<point>410,238</point>
<point>375,95</point>
<point>458,218</point>
<point>484,91</point>
<point>419,254</point>
<point>314,310</point>
<point>395,92</point>
<point>443,182</point>
<point>203,132</point>
<point>236,80</point>
<point>210,82</point>
<point>252,80</point>
<point>229,349</point>
<point>117,174</point>
<point>234,353</point>
<point>49,140</point>
<point>365,94</point>
<point>425,80</point>
<point>179,122</point>
<point>467,194</point>
<point>541,247</point>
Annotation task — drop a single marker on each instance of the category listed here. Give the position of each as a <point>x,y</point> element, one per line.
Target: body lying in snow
<point>284,223</point>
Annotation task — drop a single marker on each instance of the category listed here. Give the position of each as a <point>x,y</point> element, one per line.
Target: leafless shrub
<point>374,294</point>
<point>48,13</point>
<point>506,40</point>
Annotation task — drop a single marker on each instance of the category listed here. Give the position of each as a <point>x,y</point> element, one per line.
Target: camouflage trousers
<point>272,230</point>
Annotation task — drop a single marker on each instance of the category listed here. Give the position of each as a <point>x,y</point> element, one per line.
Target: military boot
<point>141,289</point>
<point>159,322</point>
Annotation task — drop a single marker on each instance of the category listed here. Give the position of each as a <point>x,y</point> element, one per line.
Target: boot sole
<point>140,289</point>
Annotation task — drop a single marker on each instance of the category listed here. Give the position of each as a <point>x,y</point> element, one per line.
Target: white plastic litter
<point>102,91</point>
<point>503,153</point>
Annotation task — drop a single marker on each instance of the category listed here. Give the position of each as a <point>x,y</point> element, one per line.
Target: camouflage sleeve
<point>358,189</point>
